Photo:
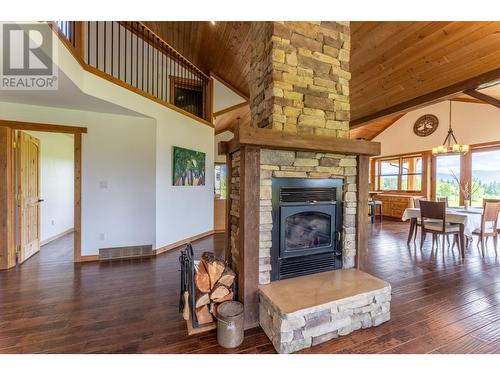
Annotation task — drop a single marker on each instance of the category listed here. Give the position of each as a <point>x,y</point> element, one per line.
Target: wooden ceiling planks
<point>391,62</point>
<point>374,128</point>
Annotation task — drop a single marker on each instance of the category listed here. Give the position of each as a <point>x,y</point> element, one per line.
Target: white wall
<point>132,156</point>
<point>471,122</point>
<point>118,173</point>
<point>56,183</point>
<point>224,97</point>
<point>224,136</point>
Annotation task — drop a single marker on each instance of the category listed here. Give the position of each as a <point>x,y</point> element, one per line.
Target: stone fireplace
<point>298,186</point>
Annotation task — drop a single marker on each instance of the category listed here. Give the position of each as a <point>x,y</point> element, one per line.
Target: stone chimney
<point>299,77</point>
<point>299,90</point>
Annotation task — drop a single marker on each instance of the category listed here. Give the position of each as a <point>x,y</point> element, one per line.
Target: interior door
<point>28,190</point>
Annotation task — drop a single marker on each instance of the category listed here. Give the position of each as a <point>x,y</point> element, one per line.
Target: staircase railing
<point>131,55</point>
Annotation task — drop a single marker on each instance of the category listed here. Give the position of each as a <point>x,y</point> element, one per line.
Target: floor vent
<point>128,252</point>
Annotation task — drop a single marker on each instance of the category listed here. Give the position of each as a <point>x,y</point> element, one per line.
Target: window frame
<point>378,175</point>
<point>190,84</point>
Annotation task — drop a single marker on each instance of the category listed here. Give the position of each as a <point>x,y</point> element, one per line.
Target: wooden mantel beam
<point>267,138</point>
<point>483,97</point>
<point>430,98</point>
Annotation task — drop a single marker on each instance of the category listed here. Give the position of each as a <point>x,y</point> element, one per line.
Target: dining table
<point>468,219</point>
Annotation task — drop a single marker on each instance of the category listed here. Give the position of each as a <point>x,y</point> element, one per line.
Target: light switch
<point>103,184</point>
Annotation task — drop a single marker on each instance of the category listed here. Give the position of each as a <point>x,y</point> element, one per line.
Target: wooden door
<point>28,195</point>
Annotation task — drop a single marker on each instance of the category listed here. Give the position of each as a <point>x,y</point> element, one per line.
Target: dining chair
<point>443,199</point>
<point>489,221</point>
<point>433,220</point>
<point>416,204</point>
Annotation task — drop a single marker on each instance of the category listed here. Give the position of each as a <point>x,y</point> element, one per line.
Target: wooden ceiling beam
<point>483,97</point>
<point>429,98</point>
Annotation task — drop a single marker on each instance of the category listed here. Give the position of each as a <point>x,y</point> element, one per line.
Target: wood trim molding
<point>7,209</point>
<point>229,86</point>
<point>77,204</point>
<point>89,258</point>
<point>183,242</point>
<point>230,109</point>
<point>56,237</point>
<point>41,127</point>
<point>430,98</point>
<point>251,136</point>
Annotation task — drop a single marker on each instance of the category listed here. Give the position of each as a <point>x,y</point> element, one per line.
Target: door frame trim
<point>77,208</point>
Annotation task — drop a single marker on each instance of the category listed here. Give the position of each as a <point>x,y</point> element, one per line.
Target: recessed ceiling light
<point>212,22</point>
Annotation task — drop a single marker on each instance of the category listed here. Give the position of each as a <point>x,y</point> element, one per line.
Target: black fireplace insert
<point>307,226</point>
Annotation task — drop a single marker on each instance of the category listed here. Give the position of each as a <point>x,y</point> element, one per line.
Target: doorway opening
<point>41,198</point>
<point>44,198</point>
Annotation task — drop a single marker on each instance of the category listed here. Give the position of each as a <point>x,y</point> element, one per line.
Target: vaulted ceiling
<point>392,63</point>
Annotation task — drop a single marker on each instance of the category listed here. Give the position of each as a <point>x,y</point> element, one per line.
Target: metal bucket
<point>230,324</point>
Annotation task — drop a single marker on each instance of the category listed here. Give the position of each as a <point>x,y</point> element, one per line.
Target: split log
<point>215,267</point>
<point>219,291</point>
<point>202,279</point>
<point>203,315</point>
<point>227,277</point>
<point>227,297</point>
<point>202,299</point>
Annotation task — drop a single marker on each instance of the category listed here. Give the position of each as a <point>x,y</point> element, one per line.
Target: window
<point>188,95</point>
<point>447,174</point>
<point>400,174</point>
<point>220,181</point>
<point>485,174</point>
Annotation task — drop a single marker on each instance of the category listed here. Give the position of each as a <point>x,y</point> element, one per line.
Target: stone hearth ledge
<point>305,311</point>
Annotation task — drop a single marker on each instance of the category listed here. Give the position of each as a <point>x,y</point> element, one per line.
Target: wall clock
<point>425,125</point>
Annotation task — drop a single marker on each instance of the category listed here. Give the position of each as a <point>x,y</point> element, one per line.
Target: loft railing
<point>130,54</point>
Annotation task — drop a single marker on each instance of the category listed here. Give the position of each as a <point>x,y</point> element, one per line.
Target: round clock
<point>425,125</point>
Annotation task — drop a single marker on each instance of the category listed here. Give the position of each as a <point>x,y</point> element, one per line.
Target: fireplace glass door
<point>306,229</point>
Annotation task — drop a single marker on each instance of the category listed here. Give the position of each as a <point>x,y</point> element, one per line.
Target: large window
<point>447,174</point>
<point>220,181</point>
<point>400,174</point>
<point>485,174</point>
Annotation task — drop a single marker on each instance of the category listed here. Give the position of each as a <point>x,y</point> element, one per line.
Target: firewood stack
<point>213,280</point>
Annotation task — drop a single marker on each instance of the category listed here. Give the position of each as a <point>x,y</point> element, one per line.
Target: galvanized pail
<point>230,324</point>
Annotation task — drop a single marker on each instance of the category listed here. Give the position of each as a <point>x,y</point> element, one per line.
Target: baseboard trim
<point>161,250</point>
<point>185,241</point>
<point>89,258</point>
<point>57,236</point>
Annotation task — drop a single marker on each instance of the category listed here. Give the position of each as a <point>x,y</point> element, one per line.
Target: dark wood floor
<point>441,304</point>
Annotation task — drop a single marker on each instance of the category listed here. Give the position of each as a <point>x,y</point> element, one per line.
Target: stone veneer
<point>299,77</point>
<point>276,163</point>
<point>312,326</point>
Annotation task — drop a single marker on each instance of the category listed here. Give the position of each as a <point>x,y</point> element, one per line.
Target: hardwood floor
<point>441,304</point>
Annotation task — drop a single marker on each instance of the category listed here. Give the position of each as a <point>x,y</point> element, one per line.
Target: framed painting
<point>188,167</point>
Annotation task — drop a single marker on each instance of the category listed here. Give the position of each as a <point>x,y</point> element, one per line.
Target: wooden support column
<point>465,173</point>
<point>362,211</point>
<point>7,213</point>
<point>248,276</point>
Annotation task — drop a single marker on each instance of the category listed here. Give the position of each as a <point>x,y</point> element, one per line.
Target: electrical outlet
<point>103,184</point>
<point>52,222</point>
<point>101,236</point>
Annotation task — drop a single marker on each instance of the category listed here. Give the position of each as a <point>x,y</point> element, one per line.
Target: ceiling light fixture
<point>212,22</point>
<point>450,144</point>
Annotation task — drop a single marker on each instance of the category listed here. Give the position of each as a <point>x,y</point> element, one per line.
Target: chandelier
<point>450,144</point>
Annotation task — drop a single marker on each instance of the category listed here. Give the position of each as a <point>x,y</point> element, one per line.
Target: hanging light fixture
<point>450,144</point>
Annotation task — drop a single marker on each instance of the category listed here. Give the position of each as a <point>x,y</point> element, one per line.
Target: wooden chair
<point>416,204</point>
<point>489,221</point>
<point>443,199</point>
<point>433,220</point>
